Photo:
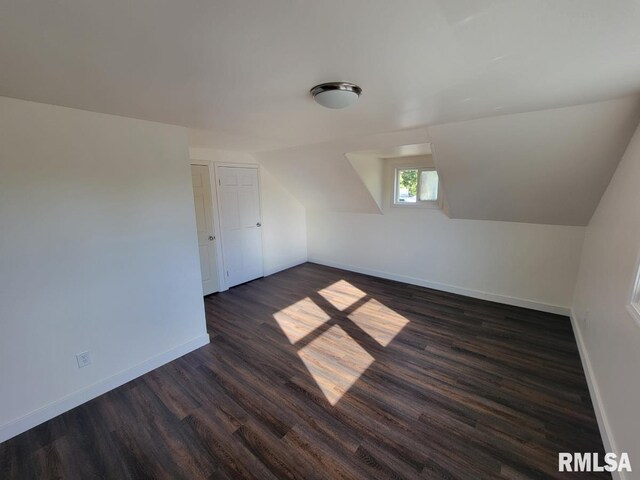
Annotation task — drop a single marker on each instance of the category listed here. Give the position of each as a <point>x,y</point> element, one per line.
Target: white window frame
<point>634,302</point>
<point>418,203</point>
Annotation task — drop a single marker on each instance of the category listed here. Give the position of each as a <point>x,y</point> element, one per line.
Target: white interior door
<point>204,222</point>
<point>239,202</point>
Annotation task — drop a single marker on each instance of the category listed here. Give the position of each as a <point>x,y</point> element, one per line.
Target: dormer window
<point>416,186</point>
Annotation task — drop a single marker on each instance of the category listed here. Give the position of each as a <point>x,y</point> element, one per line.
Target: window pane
<point>407,186</point>
<point>428,185</point>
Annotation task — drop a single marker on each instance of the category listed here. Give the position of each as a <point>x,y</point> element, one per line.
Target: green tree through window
<point>409,180</point>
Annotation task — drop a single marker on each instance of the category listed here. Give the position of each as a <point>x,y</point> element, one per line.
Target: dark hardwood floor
<point>320,373</point>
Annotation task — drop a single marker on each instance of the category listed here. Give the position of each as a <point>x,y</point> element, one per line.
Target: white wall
<point>610,337</point>
<point>284,230</point>
<point>284,234</point>
<point>517,263</point>
<point>522,264</point>
<point>98,252</point>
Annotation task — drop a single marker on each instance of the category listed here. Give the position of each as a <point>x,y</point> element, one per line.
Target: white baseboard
<point>83,395</point>
<point>284,266</point>
<point>596,398</point>
<point>493,297</point>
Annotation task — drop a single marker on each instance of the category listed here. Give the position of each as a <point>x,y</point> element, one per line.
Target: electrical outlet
<point>83,359</point>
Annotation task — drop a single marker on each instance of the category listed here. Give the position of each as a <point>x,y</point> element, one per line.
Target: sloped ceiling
<point>550,166</point>
<point>322,178</point>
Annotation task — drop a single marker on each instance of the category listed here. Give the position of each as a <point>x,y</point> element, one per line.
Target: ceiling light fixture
<point>336,94</point>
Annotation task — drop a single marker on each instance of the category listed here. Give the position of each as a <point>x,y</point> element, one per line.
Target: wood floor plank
<point>321,373</point>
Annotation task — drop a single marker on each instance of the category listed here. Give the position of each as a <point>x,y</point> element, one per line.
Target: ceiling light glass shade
<point>336,94</point>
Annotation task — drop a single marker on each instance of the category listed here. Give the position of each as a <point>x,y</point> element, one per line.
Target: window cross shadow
<point>338,333</point>
<point>340,318</point>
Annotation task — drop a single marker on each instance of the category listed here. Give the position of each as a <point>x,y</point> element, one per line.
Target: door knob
<point>211,238</point>
<point>258,224</point>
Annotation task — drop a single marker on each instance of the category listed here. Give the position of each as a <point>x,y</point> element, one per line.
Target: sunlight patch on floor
<point>342,294</point>
<point>379,322</point>
<point>300,319</point>
<point>335,361</point>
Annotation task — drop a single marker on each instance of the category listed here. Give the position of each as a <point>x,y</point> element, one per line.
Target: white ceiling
<point>239,71</point>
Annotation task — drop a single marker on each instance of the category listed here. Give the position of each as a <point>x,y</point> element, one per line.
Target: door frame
<point>215,212</point>
<point>214,186</point>
<point>222,284</point>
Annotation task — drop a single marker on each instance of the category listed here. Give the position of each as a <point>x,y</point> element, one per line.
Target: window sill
<point>418,205</point>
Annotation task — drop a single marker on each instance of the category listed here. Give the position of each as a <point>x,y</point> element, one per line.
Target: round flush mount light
<point>336,94</point>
